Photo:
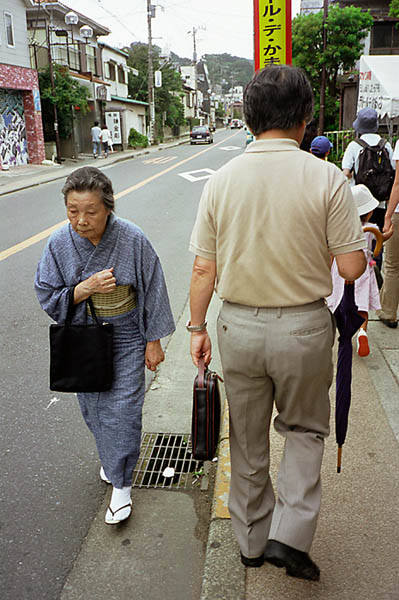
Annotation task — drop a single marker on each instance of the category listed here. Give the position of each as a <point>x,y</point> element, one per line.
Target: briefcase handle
<point>201,372</point>
<point>202,369</point>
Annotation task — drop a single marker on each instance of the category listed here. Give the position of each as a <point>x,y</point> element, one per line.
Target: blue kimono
<point>114,417</point>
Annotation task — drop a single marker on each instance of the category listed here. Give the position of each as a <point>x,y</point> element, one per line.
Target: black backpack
<point>375,169</point>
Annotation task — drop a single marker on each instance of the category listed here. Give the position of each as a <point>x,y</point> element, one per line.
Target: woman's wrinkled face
<point>88,214</point>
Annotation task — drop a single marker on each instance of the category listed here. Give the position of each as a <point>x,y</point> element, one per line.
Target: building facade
<point>50,36</point>
<point>121,112</point>
<point>21,131</point>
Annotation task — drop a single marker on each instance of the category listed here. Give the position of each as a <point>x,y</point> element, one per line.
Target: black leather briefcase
<point>205,424</point>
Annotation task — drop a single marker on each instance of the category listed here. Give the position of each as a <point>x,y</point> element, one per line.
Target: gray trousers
<point>390,289</point>
<point>280,356</point>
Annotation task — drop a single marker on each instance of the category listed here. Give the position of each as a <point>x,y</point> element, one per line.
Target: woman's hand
<point>388,232</point>
<point>153,355</point>
<point>102,282</point>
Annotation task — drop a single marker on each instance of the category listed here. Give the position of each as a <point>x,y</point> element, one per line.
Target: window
<point>112,72</point>
<point>9,29</point>
<point>385,35</point>
<point>91,59</point>
<point>121,74</point>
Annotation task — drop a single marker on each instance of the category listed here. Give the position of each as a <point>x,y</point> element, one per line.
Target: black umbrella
<point>348,322</point>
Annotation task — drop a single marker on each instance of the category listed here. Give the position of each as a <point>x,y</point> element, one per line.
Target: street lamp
<point>86,32</point>
<point>72,19</point>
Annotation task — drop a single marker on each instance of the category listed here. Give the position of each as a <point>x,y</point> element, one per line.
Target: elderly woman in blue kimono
<point>110,259</point>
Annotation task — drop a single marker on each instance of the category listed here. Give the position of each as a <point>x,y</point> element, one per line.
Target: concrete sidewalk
<point>23,177</point>
<point>357,540</point>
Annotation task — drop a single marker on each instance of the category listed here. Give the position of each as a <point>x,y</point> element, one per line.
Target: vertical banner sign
<point>272,33</point>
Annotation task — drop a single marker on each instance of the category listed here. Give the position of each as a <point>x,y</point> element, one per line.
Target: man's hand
<point>153,355</point>
<point>201,345</point>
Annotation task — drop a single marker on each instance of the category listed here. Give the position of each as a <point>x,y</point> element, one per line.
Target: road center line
<point>46,232</point>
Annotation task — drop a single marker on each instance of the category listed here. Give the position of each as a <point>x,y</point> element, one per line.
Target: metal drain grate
<point>161,450</point>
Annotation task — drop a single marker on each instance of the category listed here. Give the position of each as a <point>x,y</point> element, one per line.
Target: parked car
<point>201,133</point>
<point>236,124</point>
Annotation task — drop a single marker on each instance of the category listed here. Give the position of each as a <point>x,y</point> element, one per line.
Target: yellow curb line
<point>222,484</point>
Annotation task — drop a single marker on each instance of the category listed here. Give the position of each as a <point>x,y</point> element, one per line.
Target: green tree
<point>394,10</point>
<point>346,29</point>
<point>169,108</point>
<point>69,94</point>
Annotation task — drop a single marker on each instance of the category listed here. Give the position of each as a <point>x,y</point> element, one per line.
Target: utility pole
<point>57,135</point>
<point>323,71</point>
<point>194,32</point>
<point>150,15</point>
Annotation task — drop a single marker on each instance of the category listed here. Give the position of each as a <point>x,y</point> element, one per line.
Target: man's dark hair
<point>95,123</point>
<point>93,180</point>
<point>277,97</point>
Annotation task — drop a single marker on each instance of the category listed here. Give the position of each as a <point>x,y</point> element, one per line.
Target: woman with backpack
<point>369,159</point>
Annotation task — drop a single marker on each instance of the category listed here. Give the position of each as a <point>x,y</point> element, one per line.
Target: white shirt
<point>95,133</point>
<point>351,157</point>
<point>105,135</point>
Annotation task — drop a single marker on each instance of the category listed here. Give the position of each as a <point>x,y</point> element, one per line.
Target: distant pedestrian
<point>110,142</point>
<point>266,225</point>
<point>105,136</point>
<point>109,259</point>
<point>310,134</point>
<point>366,127</point>
<point>95,139</point>
<point>367,296</point>
<point>390,290</point>
<point>320,147</point>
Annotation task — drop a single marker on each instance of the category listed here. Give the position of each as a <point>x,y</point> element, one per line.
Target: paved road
<point>50,490</point>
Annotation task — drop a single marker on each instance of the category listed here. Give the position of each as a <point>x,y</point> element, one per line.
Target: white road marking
<point>230,148</point>
<point>191,175</point>
<point>158,160</point>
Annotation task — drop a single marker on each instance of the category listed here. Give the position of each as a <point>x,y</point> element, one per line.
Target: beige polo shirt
<point>269,218</point>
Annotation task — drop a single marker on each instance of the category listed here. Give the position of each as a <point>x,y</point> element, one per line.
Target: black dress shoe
<point>252,562</point>
<point>296,563</point>
<point>388,323</point>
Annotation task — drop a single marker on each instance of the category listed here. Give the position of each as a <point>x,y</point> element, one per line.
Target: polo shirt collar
<point>272,145</point>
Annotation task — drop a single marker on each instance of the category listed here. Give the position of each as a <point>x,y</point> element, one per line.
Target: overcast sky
<point>223,25</point>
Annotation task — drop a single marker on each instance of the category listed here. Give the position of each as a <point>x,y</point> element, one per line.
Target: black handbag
<point>81,356</point>
<point>205,425</point>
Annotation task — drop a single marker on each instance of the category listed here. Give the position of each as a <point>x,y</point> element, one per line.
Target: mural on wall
<point>13,144</point>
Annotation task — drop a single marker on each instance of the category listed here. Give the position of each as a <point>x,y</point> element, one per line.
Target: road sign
<point>272,28</point>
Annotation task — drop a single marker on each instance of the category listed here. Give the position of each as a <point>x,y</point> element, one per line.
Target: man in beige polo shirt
<point>267,224</point>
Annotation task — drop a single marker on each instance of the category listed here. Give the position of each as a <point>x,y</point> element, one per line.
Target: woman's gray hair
<point>90,179</point>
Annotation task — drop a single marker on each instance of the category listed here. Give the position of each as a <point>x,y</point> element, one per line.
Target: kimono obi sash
<point>118,302</point>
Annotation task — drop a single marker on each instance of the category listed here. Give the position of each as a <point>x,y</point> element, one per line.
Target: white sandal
<point>110,514</point>
<point>103,476</point>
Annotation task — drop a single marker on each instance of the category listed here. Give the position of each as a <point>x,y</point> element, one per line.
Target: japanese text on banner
<point>273,32</point>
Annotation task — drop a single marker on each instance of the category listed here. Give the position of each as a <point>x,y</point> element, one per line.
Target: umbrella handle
<point>378,236</point>
<point>339,459</point>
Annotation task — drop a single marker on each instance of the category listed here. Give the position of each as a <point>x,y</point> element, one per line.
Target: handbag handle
<point>201,372</point>
<point>71,308</point>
